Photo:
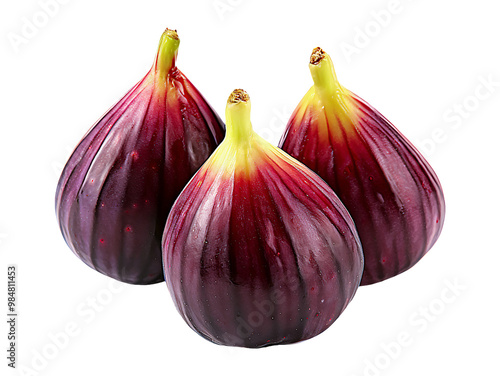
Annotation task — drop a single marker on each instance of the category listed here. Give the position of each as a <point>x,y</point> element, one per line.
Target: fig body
<point>257,249</point>
<point>117,188</point>
<point>390,190</point>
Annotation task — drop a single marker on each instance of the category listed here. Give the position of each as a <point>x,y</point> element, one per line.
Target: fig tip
<point>317,55</point>
<point>238,96</point>
<point>172,33</point>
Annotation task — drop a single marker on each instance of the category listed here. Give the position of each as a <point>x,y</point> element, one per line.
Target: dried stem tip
<point>317,55</point>
<point>238,95</point>
<point>172,34</point>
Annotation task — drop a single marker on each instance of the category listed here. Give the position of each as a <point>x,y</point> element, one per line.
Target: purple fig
<point>257,249</point>
<point>390,190</point>
<point>119,184</point>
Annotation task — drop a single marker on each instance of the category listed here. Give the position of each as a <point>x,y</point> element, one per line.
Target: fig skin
<point>118,186</point>
<point>257,249</point>
<point>390,190</point>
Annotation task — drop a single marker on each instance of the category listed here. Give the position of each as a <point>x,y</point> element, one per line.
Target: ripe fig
<point>390,190</point>
<point>119,184</point>
<point>257,249</point>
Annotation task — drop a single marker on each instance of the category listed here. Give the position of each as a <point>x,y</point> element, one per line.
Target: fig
<point>390,190</point>
<point>257,249</point>
<point>118,186</point>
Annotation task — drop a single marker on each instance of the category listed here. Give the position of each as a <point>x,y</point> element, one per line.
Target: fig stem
<point>323,74</point>
<point>167,52</point>
<point>238,126</point>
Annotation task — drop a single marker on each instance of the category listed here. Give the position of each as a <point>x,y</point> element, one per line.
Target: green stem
<point>238,126</point>
<point>325,80</point>
<point>167,52</point>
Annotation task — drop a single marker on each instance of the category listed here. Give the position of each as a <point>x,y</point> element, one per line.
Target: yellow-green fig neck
<point>167,52</point>
<point>326,84</point>
<point>239,129</point>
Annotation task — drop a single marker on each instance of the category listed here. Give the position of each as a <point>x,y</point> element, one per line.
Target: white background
<point>415,66</point>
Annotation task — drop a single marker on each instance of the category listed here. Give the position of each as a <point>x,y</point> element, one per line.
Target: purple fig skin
<point>258,250</point>
<point>118,186</point>
<point>390,190</point>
